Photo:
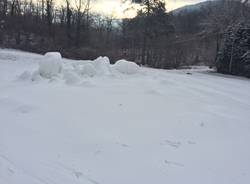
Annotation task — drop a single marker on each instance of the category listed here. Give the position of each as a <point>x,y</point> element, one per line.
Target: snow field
<point>107,127</point>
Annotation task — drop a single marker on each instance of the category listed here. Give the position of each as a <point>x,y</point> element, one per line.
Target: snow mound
<point>50,65</point>
<point>53,66</point>
<point>102,65</point>
<point>97,67</point>
<point>126,67</point>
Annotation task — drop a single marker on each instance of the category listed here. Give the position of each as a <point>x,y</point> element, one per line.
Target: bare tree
<point>68,16</point>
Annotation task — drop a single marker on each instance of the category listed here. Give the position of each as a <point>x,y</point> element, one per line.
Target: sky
<point>117,9</point>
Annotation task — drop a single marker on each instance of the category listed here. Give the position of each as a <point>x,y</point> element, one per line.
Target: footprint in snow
<point>174,163</point>
<point>80,174</point>
<point>10,171</point>
<point>77,174</point>
<point>175,144</point>
<point>153,92</point>
<point>123,145</point>
<point>191,142</point>
<point>24,109</point>
<point>98,152</point>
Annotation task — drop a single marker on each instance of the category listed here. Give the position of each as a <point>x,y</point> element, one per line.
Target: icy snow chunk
<point>54,55</point>
<point>50,65</point>
<point>126,67</point>
<point>102,65</point>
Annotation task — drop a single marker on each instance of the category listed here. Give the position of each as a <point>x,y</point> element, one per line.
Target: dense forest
<point>215,33</point>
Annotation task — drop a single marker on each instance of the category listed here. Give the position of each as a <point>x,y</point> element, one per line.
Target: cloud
<point>117,8</point>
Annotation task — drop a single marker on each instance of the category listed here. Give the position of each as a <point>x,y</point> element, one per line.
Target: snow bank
<point>126,67</point>
<point>88,68</point>
<point>50,65</point>
<point>99,67</point>
<point>73,72</point>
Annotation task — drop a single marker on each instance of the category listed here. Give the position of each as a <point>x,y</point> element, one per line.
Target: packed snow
<point>126,67</point>
<point>50,65</point>
<point>70,122</point>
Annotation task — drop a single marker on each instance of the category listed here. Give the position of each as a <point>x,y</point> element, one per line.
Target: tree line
<point>154,37</point>
<point>40,26</point>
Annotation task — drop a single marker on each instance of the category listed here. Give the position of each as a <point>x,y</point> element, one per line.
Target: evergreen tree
<point>154,22</point>
<point>235,57</point>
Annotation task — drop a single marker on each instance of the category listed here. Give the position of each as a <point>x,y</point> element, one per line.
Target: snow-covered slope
<point>150,127</point>
<point>195,7</point>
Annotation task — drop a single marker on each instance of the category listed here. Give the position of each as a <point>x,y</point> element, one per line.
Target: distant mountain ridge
<point>193,7</point>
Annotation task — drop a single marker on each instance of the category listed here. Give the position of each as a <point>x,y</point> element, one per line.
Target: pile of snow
<point>50,65</point>
<point>102,65</point>
<point>126,67</point>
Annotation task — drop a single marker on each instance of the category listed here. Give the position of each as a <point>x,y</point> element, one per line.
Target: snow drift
<point>52,65</point>
<point>126,67</point>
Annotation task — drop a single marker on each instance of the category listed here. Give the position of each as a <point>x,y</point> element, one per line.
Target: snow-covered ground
<point>97,124</point>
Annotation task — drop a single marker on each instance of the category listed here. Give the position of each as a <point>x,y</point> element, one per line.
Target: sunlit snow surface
<point>151,127</point>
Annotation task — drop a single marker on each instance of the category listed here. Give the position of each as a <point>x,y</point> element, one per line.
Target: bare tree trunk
<point>217,47</point>
<point>49,15</point>
<point>145,34</point>
<point>68,28</point>
<point>37,12</point>
<point>78,23</point>
<point>4,8</point>
<point>78,30</point>
<point>42,10</point>
<point>18,37</point>
<point>49,12</point>
<point>231,57</point>
<point>144,43</point>
<point>12,10</point>
<point>87,9</point>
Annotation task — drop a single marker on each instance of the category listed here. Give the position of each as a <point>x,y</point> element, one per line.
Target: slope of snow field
<point>150,127</point>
